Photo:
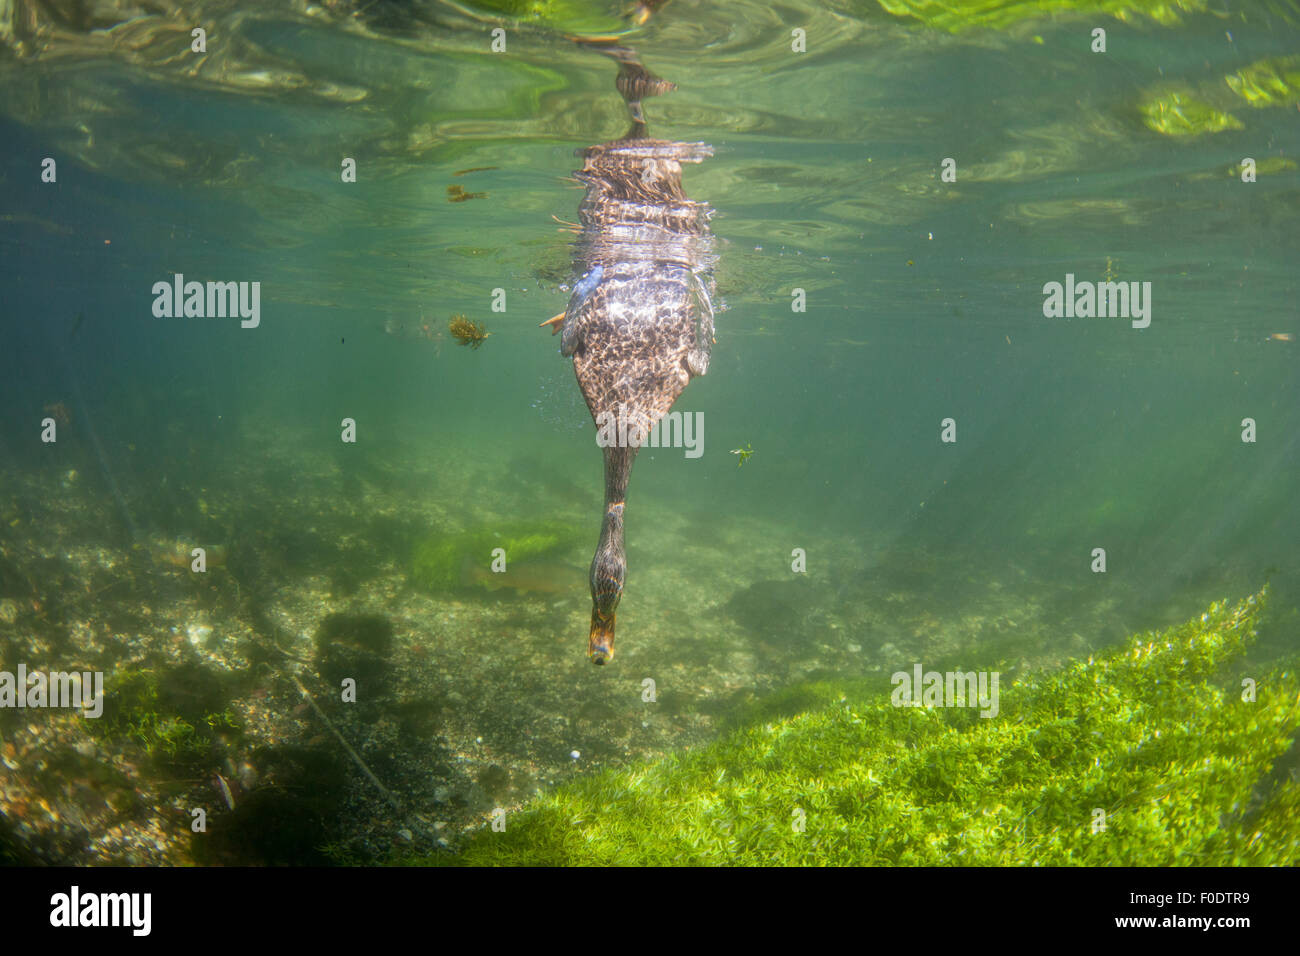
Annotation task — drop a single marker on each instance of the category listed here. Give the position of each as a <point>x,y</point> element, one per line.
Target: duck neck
<point>618,467</point>
<point>609,566</point>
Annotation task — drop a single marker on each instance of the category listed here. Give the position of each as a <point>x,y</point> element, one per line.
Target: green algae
<point>173,726</point>
<point>1269,166</point>
<point>1274,82</point>
<point>957,15</point>
<point>1179,113</point>
<point>438,561</point>
<point>1154,733</point>
<point>573,15</point>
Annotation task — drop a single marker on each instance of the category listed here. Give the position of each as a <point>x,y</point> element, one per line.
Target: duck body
<point>635,343</point>
<point>639,324</point>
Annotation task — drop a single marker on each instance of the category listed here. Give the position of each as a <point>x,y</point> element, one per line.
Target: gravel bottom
<point>467,702</point>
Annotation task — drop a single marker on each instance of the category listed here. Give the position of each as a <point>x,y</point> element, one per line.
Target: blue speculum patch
<point>584,288</point>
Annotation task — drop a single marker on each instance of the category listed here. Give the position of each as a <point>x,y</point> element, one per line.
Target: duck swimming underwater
<point>639,323</point>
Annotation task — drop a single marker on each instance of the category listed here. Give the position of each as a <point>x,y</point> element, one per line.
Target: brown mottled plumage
<point>636,336</point>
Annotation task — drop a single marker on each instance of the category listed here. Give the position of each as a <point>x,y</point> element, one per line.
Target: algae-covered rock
<point>439,561</point>
<point>1148,755</point>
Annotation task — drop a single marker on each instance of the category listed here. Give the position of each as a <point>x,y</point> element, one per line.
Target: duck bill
<point>600,645</point>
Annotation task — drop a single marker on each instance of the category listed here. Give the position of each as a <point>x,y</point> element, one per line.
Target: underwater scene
<point>674,432</point>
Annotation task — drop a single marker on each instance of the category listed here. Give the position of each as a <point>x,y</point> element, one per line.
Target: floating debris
<point>225,791</point>
<point>457,194</point>
<point>466,332</point>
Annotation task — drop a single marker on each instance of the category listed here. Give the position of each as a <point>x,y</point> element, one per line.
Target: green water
<point>923,301</point>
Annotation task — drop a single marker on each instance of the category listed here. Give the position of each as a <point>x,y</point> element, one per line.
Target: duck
<point>639,324</point>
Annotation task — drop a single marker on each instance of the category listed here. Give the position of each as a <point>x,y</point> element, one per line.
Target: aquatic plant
<point>466,332</point>
<point>438,560</point>
<point>574,15</point>
<point>1273,82</point>
<point>456,193</point>
<point>139,707</point>
<point>957,15</point>
<point>1179,113</point>
<point>744,453</point>
<point>1150,733</point>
